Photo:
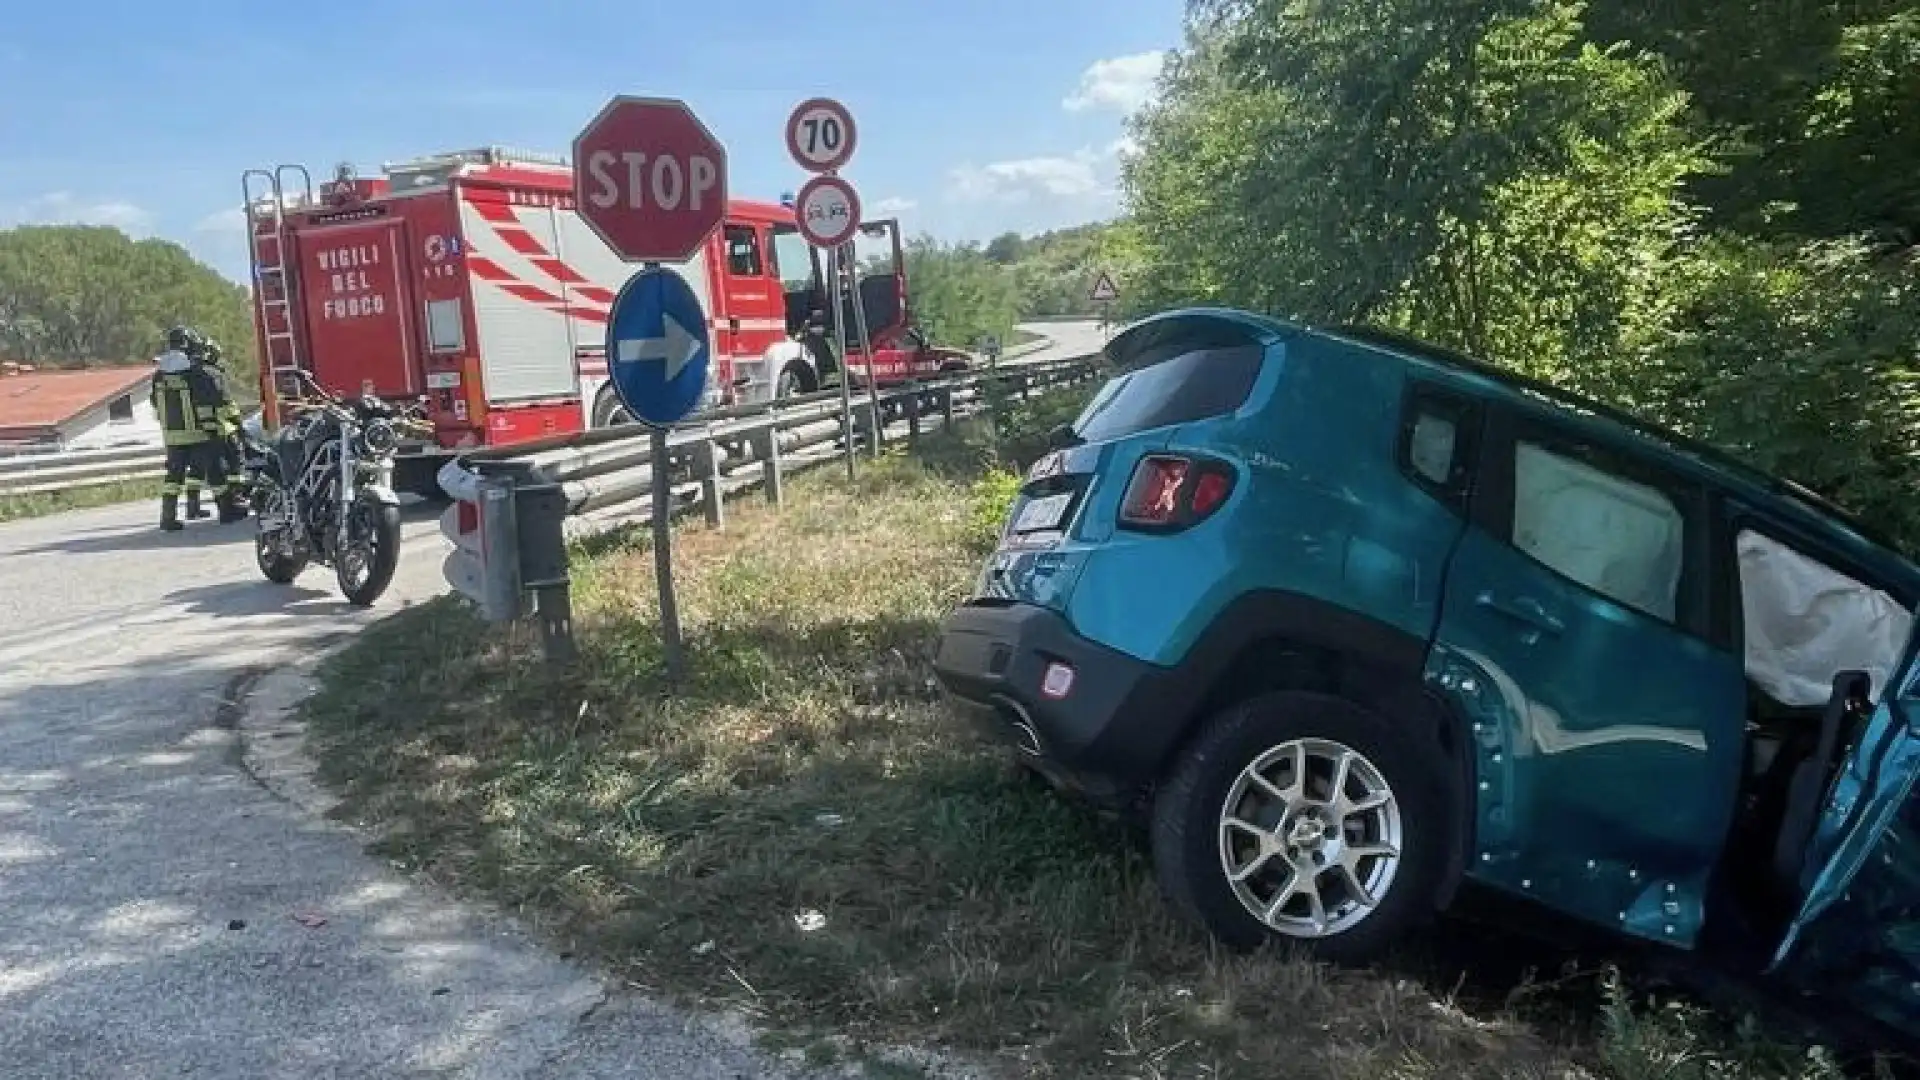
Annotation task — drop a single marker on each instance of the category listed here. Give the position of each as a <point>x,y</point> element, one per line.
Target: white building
<point>76,410</point>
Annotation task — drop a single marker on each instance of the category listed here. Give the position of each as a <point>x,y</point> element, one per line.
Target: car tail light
<point>1169,492</point>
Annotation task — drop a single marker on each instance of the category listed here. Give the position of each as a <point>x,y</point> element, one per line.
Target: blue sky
<point>976,116</point>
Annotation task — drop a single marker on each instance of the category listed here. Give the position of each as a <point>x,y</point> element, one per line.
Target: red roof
<point>33,402</point>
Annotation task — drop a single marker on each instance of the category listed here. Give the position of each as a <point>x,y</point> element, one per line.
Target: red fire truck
<point>470,279</point>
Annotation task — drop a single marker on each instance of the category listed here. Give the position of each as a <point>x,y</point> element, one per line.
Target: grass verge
<point>40,504</point>
<point>800,832</point>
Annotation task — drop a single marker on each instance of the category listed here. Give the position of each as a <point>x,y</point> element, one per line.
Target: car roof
<point>1595,419</point>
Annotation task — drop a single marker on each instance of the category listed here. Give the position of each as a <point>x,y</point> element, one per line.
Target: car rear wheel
<point>1304,818</point>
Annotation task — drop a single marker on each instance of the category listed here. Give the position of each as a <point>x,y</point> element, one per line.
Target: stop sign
<point>650,179</point>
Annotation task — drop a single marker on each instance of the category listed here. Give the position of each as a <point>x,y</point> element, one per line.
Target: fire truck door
<point>881,277</point>
<point>751,316</point>
<point>353,282</point>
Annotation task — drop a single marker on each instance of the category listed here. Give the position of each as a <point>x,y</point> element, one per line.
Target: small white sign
<point>828,211</point>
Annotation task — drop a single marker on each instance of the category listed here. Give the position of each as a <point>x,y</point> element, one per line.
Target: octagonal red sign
<point>650,179</point>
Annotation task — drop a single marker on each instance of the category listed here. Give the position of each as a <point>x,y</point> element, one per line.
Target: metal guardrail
<point>31,474</point>
<point>34,472</point>
<point>515,511</point>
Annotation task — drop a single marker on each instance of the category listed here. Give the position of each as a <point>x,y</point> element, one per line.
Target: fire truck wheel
<point>795,379</point>
<point>607,410</point>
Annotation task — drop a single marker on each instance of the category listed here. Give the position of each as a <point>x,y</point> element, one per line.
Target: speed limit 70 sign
<point>821,135</point>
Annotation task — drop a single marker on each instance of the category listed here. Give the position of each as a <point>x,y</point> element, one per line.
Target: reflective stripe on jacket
<point>174,402</point>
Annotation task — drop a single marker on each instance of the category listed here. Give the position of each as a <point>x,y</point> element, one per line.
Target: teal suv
<point>1353,620</point>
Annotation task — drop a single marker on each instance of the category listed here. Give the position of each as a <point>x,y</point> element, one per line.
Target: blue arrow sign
<point>658,348</point>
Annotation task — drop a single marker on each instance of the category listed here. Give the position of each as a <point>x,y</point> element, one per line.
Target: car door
<point>1573,632</point>
<point>1864,859</point>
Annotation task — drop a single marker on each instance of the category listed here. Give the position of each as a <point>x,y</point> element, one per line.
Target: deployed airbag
<point>1806,622</point>
<point>1619,538</point>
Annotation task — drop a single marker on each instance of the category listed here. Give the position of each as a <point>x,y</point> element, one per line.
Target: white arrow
<point>676,348</point>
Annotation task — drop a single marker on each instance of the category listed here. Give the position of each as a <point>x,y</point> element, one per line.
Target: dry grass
<point>40,504</point>
<point>801,832</point>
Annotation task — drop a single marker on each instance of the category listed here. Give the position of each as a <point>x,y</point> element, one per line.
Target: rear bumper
<point>1105,738</point>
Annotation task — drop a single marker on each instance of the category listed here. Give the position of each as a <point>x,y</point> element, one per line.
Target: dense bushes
<point>1695,211</point>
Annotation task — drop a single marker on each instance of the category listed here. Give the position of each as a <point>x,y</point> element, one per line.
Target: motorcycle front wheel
<point>273,517</point>
<point>365,563</point>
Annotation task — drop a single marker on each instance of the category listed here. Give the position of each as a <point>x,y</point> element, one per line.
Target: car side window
<point>1592,521</point>
<point>1438,437</point>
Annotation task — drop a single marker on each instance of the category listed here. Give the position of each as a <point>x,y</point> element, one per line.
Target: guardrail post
<point>766,447</point>
<point>946,406</point>
<point>913,416</point>
<point>522,515</point>
<point>706,464</point>
<point>857,424</point>
<point>499,524</point>
<point>539,510</point>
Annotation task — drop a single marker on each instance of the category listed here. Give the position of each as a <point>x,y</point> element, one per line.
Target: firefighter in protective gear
<point>226,450</point>
<point>184,398</point>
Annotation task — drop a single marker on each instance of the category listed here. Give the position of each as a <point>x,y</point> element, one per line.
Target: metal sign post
<point>1104,293</point>
<point>658,350</point>
<point>821,137</point>
<point>671,648</point>
<point>851,260</point>
<point>828,213</point>
<point>663,205</point>
<point>838,311</point>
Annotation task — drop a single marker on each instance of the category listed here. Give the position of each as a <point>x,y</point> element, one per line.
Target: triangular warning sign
<point>1103,289</point>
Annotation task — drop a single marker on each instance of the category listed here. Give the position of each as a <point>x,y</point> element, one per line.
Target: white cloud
<point>1121,83</point>
<point>890,207</point>
<point>1026,178</point>
<point>66,208</point>
<point>229,222</point>
<point>1087,175</point>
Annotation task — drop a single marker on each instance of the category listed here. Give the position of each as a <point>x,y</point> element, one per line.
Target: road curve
<point>161,907</point>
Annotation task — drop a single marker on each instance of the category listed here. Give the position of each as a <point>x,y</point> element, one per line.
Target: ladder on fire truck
<point>266,196</point>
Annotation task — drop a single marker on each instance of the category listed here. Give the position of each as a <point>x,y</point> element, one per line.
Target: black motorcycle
<point>322,491</point>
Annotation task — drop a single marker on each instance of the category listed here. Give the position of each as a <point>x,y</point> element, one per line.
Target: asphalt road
<point>162,913</point>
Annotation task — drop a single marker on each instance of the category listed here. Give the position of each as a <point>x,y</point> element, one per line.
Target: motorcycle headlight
<point>379,437</point>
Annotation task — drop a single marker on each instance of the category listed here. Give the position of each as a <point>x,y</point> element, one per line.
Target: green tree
<point>959,294</point>
<point>1804,361</point>
<point>1473,171</point>
<point>1815,102</point>
<point>1695,210</point>
<point>1005,249</point>
<point>76,296</point>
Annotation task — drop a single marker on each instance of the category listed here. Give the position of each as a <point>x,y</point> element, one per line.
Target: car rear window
<point>1181,387</point>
